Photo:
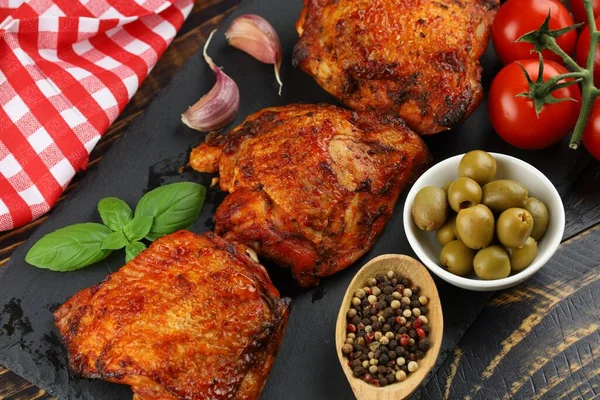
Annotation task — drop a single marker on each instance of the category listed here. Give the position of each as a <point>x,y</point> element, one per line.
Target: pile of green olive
<point>488,226</point>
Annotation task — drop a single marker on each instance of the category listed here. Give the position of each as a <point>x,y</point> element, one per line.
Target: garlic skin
<point>219,106</point>
<point>254,35</point>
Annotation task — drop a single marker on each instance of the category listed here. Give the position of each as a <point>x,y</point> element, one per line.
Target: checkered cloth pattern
<point>67,69</point>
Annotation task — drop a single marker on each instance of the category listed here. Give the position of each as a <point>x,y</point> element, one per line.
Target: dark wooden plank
<point>540,339</point>
<point>582,210</point>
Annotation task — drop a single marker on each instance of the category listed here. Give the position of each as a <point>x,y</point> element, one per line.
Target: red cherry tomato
<point>579,11</point>
<point>518,17</point>
<point>591,135</point>
<point>514,118</point>
<point>583,49</point>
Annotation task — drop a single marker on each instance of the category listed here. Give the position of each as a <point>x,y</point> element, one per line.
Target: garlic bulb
<point>219,106</point>
<point>254,35</point>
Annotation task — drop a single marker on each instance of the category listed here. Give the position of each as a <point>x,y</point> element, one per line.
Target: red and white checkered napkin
<point>67,69</point>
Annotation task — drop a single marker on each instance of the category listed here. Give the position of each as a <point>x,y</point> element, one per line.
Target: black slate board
<point>151,152</point>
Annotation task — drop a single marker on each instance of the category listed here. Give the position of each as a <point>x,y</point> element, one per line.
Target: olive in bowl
<point>524,260</point>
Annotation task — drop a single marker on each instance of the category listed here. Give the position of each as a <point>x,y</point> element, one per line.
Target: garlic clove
<point>219,106</point>
<point>254,35</point>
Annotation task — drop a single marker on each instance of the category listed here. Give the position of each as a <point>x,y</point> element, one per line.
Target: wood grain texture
<point>538,340</point>
<point>412,269</point>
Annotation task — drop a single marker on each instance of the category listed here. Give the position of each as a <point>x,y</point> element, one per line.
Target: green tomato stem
<point>551,82</point>
<point>556,49</point>
<point>588,91</point>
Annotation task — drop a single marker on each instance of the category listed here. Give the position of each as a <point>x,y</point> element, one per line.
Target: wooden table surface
<point>540,339</point>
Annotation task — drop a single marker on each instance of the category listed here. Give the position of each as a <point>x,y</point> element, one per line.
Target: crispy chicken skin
<point>416,58</point>
<point>312,186</point>
<point>192,317</point>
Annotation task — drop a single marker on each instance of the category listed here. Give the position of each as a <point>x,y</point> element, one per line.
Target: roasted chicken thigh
<point>312,186</point>
<point>192,317</point>
<point>416,58</point>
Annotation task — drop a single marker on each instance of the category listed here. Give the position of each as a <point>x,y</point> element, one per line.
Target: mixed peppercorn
<point>387,331</point>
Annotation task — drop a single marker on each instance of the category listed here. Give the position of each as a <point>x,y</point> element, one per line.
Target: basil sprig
<point>159,212</point>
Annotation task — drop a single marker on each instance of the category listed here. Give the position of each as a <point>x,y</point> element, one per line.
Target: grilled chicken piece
<point>193,317</point>
<point>312,186</point>
<point>416,58</point>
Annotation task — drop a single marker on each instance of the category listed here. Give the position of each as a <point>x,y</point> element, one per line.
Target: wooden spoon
<point>412,269</point>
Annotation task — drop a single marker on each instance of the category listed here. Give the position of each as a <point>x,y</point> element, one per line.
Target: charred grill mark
<point>364,186</point>
<point>299,54</point>
<point>449,61</point>
<point>457,109</point>
<point>350,84</point>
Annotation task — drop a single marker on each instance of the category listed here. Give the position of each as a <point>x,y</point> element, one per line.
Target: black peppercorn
<point>364,357</point>
<point>382,369</point>
<point>393,344</point>
<point>391,378</point>
<point>387,313</point>
<point>366,321</point>
<point>358,371</point>
<point>387,328</point>
<point>392,355</point>
<point>376,326</point>
<point>412,333</point>
<point>403,330</point>
<point>419,354</point>
<point>383,382</point>
<point>361,333</point>
<point>356,320</point>
<point>380,278</point>
<point>412,348</point>
<point>388,290</point>
<point>415,290</point>
<point>391,321</point>
<point>425,329</point>
<point>424,310</point>
<point>412,357</point>
<point>376,354</point>
<point>383,360</point>
<point>424,344</point>
<point>394,281</point>
<point>355,363</point>
<point>364,303</point>
<point>399,312</point>
<point>383,349</point>
<point>389,298</point>
<point>404,368</point>
<point>414,304</point>
<point>405,282</point>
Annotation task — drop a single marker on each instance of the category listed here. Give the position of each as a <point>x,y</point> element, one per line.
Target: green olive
<point>446,186</point>
<point>521,258</point>
<point>540,217</point>
<point>464,193</point>
<point>514,227</point>
<point>492,263</point>
<point>430,208</point>
<point>457,258</point>
<point>447,232</point>
<point>479,166</point>
<point>475,226</point>
<point>504,194</point>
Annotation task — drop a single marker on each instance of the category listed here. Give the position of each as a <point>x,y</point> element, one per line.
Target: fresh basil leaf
<point>133,249</point>
<point>115,213</point>
<point>114,241</point>
<point>138,227</point>
<point>174,207</point>
<point>70,248</point>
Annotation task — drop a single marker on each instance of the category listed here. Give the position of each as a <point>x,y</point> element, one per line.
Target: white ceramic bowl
<point>427,248</point>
